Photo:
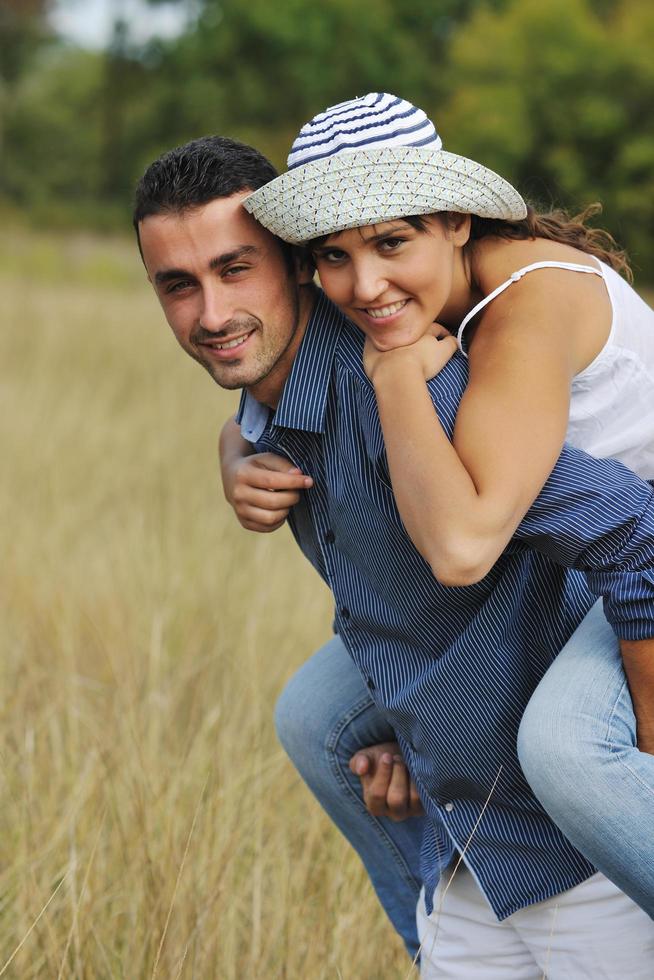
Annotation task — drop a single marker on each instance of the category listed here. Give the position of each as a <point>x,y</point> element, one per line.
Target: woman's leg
<point>577,748</point>
<point>323,716</point>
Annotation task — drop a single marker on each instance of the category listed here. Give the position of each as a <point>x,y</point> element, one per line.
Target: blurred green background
<point>558,95</point>
<point>150,823</point>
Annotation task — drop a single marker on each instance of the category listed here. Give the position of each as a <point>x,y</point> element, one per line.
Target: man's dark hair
<point>198,172</point>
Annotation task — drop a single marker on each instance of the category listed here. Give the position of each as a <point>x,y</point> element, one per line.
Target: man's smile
<point>225,349</point>
<point>228,344</point>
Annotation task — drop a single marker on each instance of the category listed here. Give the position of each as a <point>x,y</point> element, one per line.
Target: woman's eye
<point>391,244</point>
<point>332,256</point>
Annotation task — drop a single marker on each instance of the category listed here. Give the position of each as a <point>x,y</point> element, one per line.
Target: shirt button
<point>345,612</point>
<point>330,537</point>
<point>370,684</point>
<point>449,807</point>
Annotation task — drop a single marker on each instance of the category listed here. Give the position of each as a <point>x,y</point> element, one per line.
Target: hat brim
<point>365,187</point>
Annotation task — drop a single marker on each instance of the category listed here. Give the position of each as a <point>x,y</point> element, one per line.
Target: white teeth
<point>231,343</point>
<point>381,311</point>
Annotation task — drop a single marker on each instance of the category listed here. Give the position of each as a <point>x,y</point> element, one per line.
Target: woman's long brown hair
<point>558,226</point>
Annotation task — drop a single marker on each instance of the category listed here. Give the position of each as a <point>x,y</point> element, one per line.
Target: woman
<point>405,234</point>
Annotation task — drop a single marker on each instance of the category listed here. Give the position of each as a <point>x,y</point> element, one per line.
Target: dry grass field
<point>151,826</point>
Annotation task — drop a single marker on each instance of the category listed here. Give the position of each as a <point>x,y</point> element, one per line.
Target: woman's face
<point>394,280</point>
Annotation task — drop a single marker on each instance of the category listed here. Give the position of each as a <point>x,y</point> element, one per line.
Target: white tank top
<point>612,400</point>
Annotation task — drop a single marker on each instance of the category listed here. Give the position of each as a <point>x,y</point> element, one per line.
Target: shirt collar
<point>252,417</point>
<point>304,398</point>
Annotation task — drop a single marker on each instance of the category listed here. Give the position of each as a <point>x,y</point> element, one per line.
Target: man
<point>244,307</point>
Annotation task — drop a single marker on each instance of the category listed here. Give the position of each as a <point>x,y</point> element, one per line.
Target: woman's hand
<point>429,354</point>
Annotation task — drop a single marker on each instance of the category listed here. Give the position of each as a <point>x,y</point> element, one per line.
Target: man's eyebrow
<point>236,253</point>
<point>168,275</point>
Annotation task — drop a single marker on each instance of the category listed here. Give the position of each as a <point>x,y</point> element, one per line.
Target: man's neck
<point>269,390</point>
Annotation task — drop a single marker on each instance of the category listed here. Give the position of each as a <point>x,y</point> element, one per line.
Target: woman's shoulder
<point>573,309</point>
<point>495,260</point>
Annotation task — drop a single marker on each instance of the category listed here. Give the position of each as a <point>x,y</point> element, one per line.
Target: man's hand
<point>388,790</point>
<point>262,489</point>
<point>430,354</point>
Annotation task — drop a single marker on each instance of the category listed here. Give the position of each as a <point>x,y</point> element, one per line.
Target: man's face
<point>227,293</point>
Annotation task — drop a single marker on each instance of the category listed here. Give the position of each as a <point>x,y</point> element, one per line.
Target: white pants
<point>592,931</point>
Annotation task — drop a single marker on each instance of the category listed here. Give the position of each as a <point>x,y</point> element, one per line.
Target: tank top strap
<point>515,277</point>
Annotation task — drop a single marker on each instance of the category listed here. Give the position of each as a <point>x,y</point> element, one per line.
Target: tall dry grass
<point>150,825</point>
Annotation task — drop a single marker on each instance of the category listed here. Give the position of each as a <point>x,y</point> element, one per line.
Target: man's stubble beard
<point>227,375</point>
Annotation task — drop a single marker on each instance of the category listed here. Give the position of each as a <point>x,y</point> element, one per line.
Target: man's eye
<point>234,270</point>
<point>178,286</point>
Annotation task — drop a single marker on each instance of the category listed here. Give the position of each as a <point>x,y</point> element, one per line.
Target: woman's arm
<point>461,503</point>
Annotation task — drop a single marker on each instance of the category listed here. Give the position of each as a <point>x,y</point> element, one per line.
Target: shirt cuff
<point>628,601</point>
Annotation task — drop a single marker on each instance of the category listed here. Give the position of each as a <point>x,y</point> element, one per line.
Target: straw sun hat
<point>370,160</point>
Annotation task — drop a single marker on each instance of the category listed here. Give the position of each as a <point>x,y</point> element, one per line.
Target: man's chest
<point>351,508</point>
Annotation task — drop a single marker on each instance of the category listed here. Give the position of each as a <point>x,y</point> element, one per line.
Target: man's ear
<point>304,265</point>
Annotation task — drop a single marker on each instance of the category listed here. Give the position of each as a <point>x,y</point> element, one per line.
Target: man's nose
<point>216,310</point>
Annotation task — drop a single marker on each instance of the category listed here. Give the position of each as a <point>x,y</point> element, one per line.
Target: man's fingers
<point>277,473</point>
<point>360,764</point>
<point>264,479</point>
<point>259,527</point>
<point>376,789</point>
<point>264,499</point>
<point>364,761</point>
<point>398,795</point>
<point>257,519</point>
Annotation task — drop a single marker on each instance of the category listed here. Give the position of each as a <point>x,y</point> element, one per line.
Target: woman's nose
<point>369,282</point>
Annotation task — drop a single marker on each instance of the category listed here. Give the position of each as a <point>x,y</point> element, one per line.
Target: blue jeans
<point>323,716</point>
<point>576,746</point>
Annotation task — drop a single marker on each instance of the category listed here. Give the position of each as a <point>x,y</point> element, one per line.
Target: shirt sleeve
<point>597,516</point>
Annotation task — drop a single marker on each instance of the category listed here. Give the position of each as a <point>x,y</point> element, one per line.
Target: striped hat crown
<point>374,120</point>
<point>369,160</point>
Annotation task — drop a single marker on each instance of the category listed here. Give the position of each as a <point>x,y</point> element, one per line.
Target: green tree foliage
<point>561,99</point>
<point>558,96</point>
<point>71,131</point>
<point>259,69</point>
<point>22,31</point>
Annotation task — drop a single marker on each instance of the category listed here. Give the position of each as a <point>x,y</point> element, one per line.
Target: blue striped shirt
<point>453,668</point>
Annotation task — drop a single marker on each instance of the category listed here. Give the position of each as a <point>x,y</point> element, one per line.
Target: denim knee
<point>536,748</point>
<point>295,723</point>
<point>315,705</point>
<point>558,753</point>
